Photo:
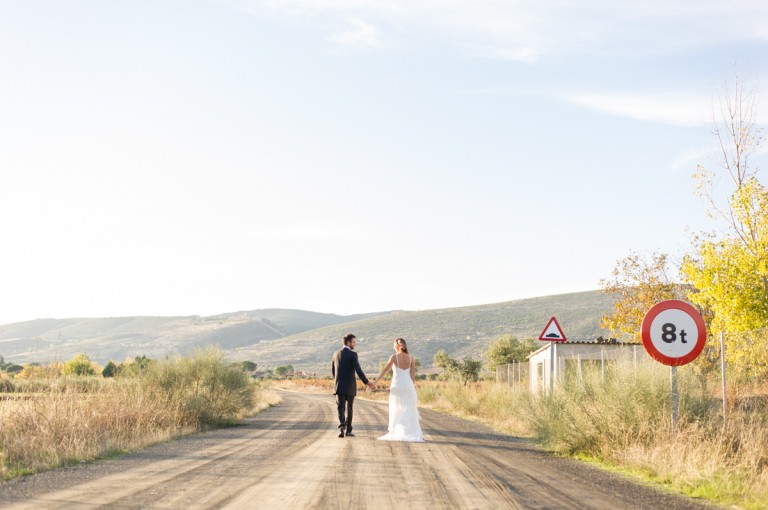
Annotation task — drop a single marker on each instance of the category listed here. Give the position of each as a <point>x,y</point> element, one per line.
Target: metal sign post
<point>551,368</point>
<point>675,398</point>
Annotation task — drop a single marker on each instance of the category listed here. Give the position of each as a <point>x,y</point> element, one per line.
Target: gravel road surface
<point>289,457</point>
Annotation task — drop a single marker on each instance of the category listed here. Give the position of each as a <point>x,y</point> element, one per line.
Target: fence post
<point>602,364</point>
<point>578,365</point>
<point>722,369</point>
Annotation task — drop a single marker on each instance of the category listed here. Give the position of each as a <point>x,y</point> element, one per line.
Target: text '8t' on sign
<point>673,333</point>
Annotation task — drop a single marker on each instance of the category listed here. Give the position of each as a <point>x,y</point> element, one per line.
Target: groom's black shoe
<point>341,434</point>
<point>350,434</point>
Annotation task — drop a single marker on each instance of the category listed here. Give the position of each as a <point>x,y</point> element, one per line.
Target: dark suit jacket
<point>343,367</point>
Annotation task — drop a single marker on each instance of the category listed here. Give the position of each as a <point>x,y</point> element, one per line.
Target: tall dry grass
<point>626,422</point>
<point>75,419</point>
<point>499,406</point>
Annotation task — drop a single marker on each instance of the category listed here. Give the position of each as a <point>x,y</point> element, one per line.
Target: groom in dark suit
<point>344,365</point>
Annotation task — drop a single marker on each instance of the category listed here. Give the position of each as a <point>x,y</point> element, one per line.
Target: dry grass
<point>73,420</point>
<point>306,385</point>
<point>325,386</point>
<point>626,424</point>
<point>495,405</point>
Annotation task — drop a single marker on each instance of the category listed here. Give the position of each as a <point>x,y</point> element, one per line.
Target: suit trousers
<point>345,402</point>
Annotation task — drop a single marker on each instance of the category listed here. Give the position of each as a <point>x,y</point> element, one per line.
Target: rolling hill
<point>304,339</point>
<point>116,338</point>
<point>464,331</point>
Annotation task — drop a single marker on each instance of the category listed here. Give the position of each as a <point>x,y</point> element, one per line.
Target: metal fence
<point>513,374</point>
<point>731,364</point>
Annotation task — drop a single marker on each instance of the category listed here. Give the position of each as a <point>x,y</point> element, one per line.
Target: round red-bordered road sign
<point>673,333</point>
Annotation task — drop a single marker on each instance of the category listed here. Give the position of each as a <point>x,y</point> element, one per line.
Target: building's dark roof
<point>597,341</point>
<point>601,340</point>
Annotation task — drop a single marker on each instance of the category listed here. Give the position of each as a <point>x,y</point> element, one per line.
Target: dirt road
<point>289,457</point>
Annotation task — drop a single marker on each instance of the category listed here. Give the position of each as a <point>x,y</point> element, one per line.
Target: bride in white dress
<point>403,414</point>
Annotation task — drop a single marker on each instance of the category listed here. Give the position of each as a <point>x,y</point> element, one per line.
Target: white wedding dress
<point>403,414</point>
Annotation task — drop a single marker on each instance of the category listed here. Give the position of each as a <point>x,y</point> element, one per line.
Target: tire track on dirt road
<point>289,457</point>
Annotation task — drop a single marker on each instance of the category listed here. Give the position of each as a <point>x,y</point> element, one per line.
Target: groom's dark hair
<point>348,338</point>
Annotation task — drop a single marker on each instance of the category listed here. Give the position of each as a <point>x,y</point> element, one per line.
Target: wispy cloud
<point>668,108</point>
<point>682,108</point>
<point>528,30</point>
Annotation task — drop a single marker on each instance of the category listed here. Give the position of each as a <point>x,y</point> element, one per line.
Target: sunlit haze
<point>200,157</point>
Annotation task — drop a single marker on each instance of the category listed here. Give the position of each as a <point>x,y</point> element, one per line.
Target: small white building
<point>572,359</point>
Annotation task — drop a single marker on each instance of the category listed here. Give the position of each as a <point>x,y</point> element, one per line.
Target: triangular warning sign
<point>553,332</point>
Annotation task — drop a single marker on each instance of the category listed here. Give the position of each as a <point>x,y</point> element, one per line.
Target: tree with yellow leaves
<point>637,284</point>
<point>728,271</point>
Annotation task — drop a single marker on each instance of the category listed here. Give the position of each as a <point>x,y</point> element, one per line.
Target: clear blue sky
<point>199,157</point>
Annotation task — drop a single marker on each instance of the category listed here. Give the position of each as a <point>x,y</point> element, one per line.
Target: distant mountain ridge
<point>115,338</point>
<point>464,331</point>
<point>272,337</point>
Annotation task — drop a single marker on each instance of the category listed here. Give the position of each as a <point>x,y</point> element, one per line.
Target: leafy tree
<point>37,371</point>
<point>446,362</point>
<point>469,369</point>
<point>739,141</point>
<point>12,368</point>
<point>729,269</point>
<point>248,366</point>
<point>507,349</point>
<point>730,275</point>
<point>134,367</point>
<point>637,284</point>
<point>463,371</point>
<point>110,370</point>
<point>79,365</point>
<point>8,367</point>
<point>731,279</point>
<point>284,370</point>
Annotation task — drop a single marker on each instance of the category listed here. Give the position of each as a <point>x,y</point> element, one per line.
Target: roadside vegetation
<point>620,419</point>
<point>625,424</point>
<point>60,414</point>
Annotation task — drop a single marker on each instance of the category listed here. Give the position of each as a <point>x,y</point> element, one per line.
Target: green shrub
<point>202,389</point>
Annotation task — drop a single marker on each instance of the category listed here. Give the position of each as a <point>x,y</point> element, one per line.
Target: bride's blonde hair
<point>402,344</point>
